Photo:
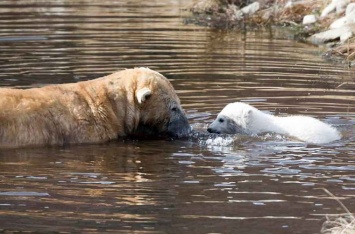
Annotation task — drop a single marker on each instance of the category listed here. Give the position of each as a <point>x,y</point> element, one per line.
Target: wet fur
<point>242,118</point>
<point>91,111</point>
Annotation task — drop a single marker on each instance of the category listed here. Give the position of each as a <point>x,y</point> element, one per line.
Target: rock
<point>289,4</point>
<point>328,9</point>
<point>309,19</point>
<point>350,8</point>
<point>339,23</point>
<point>345,36</point>
<point>336,5</point>
<point>331,35</point>
<point>340,5</point>
<point>251,8</point>
<point>345,20</point>
<point>234,13</point>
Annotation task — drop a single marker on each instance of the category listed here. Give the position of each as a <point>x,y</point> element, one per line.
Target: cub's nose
<point>211,130</point>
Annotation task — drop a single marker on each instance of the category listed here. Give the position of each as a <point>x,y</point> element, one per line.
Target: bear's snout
<point>179,125</point>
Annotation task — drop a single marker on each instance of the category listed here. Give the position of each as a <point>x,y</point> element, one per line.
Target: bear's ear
<point>143,94</point>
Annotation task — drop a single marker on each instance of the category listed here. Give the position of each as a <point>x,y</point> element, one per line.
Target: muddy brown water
<point>235,184</point>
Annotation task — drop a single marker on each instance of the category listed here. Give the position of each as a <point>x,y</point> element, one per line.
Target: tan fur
<point>91,111</point>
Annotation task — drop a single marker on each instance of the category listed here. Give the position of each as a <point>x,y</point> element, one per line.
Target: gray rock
<point>350,8</point>
<point>332,34</point>
<point>251,8</point>
<point>309,19</point>
<point>345,20</point>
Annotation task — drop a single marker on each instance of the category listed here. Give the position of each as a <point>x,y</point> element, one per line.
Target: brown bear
<point>130,103</point>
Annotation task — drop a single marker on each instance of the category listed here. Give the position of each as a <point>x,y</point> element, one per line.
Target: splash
<point>220,141</point>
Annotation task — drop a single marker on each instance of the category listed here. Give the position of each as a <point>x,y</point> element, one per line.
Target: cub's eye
<point>174,109</point>
<point>221,120</point>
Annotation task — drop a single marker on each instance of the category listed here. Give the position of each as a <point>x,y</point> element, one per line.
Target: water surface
<point>265,184</point>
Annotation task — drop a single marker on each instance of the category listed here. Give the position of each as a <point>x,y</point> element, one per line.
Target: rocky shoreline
<point>328,23</point>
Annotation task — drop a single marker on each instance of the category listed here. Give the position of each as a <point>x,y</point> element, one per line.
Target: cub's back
<point>310,129</point>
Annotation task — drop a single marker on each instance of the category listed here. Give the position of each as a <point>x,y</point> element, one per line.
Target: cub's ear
<point>143,94</point>
<point>247,117</point>
<point>248,114</point>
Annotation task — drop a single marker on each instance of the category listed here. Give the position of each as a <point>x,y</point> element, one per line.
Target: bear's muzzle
<point>178,125</point>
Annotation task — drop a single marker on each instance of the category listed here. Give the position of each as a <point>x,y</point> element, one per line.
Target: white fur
<point>254,121</point>
<point>143,94</point>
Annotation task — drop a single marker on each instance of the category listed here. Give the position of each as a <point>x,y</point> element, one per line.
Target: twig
<point>341,204</point>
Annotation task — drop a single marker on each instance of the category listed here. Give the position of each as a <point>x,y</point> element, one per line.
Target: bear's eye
<point>221,120</point>
<point>174,109</point>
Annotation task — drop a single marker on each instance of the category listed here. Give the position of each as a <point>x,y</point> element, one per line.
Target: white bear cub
<point>240,117</point>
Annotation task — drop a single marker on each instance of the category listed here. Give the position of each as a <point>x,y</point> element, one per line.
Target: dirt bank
<point>328,23</point>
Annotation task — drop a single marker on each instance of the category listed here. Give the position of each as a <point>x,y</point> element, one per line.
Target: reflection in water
<point>229,184</point>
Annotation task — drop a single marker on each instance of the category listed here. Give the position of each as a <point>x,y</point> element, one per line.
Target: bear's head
<point>157,108</point>
<point>234,118</point>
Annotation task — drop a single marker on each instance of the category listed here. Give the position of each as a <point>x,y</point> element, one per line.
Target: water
<point>232,184</point>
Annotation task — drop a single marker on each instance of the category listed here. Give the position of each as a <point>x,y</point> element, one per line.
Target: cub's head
<point>234,118</point>
<point>160,112</point>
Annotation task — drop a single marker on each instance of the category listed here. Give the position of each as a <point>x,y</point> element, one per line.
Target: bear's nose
<point>209,130</point>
